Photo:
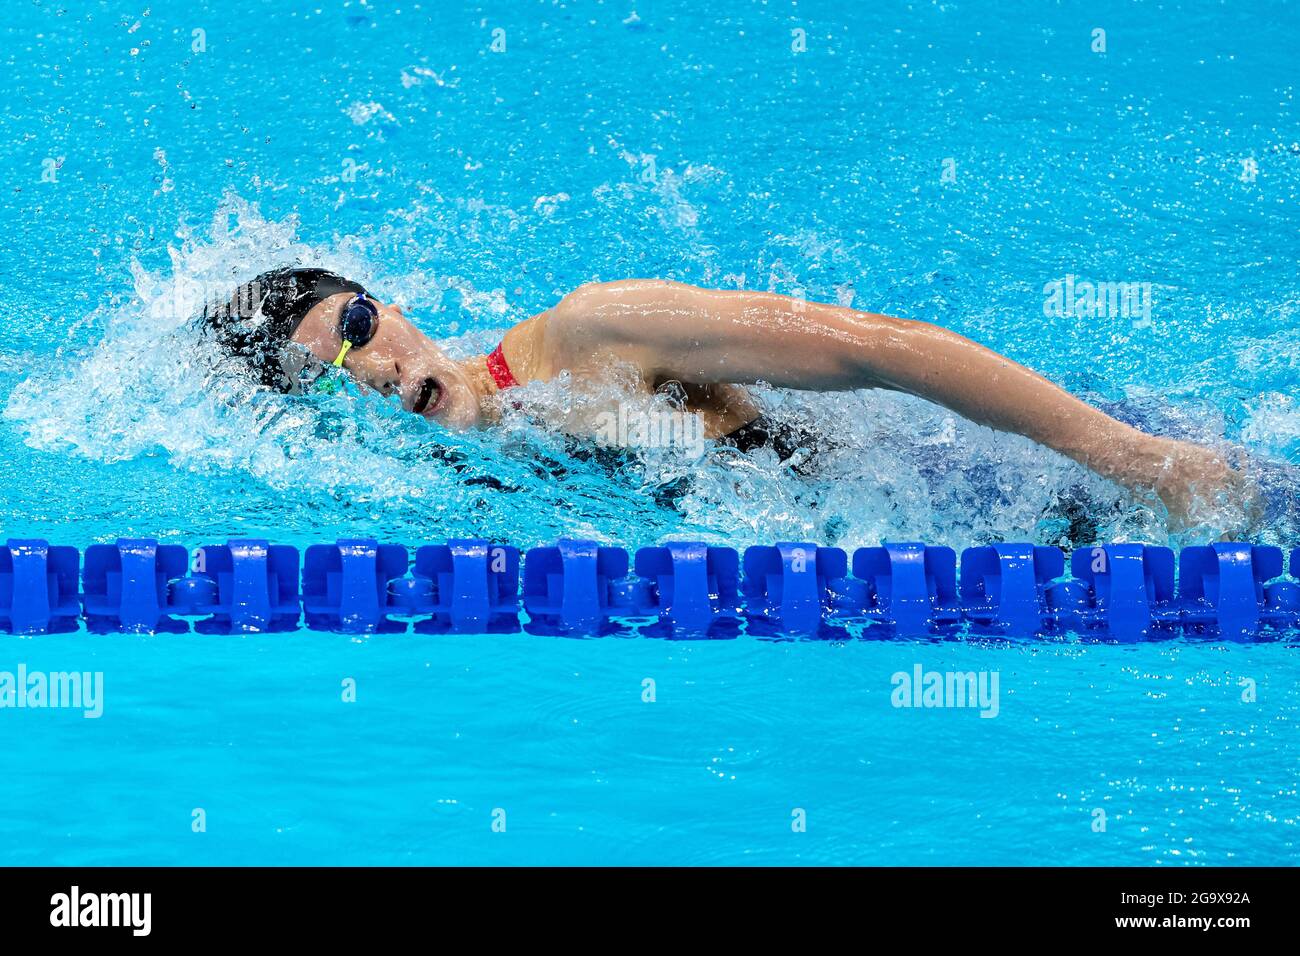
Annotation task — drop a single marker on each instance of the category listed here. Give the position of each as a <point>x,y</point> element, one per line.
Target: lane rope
<point>1118,592</point>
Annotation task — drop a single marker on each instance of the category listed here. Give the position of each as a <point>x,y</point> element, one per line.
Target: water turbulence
<point>885,465</point>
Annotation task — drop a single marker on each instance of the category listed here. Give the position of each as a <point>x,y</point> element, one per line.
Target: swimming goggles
<point>305,373</point>
<point>357,324</point>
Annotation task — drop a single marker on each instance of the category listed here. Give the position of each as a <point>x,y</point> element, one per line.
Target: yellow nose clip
<point>338,361</point>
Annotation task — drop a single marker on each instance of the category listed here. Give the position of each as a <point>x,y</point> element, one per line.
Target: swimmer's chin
<point>455,412</point>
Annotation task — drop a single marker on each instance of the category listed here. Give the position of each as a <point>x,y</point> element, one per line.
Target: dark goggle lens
<point>357,323</point>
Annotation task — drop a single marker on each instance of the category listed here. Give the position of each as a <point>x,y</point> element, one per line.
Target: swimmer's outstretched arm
<point>671,330</point>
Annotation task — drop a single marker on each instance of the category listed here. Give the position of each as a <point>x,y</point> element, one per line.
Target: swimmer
<point>288,325</point>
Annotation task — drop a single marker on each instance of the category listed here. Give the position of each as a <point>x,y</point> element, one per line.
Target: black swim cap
<point>262,315</point>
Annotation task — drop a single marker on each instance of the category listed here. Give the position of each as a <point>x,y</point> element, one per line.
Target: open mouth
<point>429,395</point>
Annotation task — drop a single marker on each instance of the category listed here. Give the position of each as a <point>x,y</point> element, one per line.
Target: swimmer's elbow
<point>890,333</point>
<point>889,349</point>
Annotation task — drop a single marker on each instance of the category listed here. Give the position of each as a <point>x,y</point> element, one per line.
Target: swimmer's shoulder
<point>621,299</point>
<point>612,313</point>
<point>595,324</point>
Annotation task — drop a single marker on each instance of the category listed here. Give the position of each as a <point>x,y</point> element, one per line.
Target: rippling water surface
<point>940,161</point>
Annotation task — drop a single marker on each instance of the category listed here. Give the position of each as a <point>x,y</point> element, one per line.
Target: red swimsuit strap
<point>500,371</point>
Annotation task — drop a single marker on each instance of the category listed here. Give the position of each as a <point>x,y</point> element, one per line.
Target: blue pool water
<point>940,161</point>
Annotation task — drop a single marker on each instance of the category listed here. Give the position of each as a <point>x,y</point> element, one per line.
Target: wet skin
<point>401,360</point>
<point>716,342</point>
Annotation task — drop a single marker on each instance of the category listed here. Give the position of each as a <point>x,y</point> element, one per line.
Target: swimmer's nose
<point>391,382</point>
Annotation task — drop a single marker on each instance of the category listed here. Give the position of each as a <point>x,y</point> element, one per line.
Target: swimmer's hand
<point>1200,488</point>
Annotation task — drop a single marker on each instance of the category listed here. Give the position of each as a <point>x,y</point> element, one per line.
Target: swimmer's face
<point>399,360</point>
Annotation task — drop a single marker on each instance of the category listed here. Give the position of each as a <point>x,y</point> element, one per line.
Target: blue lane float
<point>689,586</point>
<point>1125,591</point>
<point>1004,587</point>
<point>245,585</point>
<point>1114,592</point>
<point>465,586</point>
<point>1224,586</point>
<point>124,586</point>
<point>791,586</point>
<point>908,588</point>
<point>38,587</point>
<point>345,585</point>
<point>573,585</point>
